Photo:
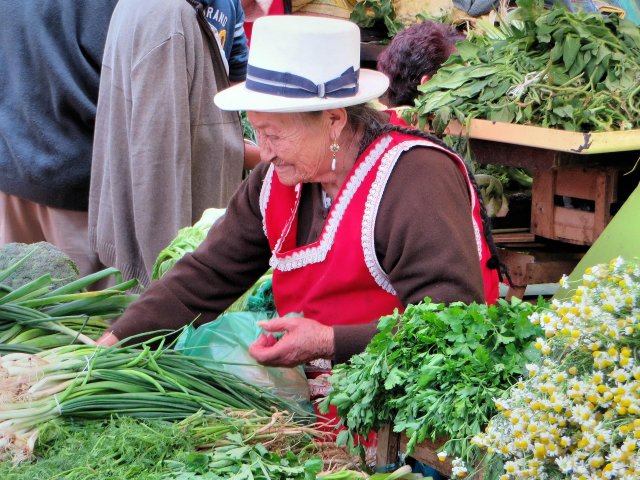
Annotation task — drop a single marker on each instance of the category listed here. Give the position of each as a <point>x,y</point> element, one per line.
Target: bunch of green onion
<point>34,318</point>
<point>97,382</point>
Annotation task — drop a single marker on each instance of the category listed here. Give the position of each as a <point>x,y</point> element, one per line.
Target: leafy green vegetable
<point>96,382</point>
<point>186,241</point>
<point>37,316</point>
<point>365,13</point>
<point>434,371</point>
<point>200,447</point>
<point>122,448</point>
<point>551,68</point>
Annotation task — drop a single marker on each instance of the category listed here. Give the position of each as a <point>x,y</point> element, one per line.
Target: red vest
<point>338,280</point>
<point>490,276</point>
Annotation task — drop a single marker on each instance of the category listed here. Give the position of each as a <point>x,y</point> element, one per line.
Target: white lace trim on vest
<point>265,193</point>
<point>373,202</point>
<point>318,252</point>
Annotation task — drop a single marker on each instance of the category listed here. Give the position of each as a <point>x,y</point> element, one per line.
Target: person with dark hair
<point>413,57</point>
<point>356,217</point>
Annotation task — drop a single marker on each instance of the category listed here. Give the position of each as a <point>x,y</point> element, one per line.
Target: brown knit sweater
<point>423,235</point>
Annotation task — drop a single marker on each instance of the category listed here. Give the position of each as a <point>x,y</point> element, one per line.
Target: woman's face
<point>297,144</point>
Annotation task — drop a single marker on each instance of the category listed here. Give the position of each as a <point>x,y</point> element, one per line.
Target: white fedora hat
<point>302,64</point>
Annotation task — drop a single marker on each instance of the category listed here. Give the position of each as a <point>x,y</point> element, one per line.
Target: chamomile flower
<point>577,414</point>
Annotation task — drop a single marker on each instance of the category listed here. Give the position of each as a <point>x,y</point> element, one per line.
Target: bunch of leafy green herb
<point>242,461</point>
<point>199,448</point>
<point>550,68</point>
<point>186,241</point>
<point>366,13</point>
<point>434,372</point>
<point>122,448</point>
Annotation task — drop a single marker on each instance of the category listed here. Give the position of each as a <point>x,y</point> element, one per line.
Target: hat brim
<point>372,85</point>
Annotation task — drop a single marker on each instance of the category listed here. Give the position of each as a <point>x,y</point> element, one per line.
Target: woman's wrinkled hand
<point>107,339</point>
<point>304,340</point>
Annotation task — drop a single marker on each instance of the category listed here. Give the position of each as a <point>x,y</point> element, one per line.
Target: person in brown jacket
<point>356,217</point>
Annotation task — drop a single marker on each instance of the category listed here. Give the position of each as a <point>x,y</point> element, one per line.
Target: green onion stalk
<point>97,382</point>
<point>35,317</point>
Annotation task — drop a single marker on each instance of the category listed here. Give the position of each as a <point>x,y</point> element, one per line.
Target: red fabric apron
<point>490,276</point>
<point>337,280</point>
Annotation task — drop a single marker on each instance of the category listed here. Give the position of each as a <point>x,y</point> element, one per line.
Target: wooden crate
<point>390,444</point>
<point>598,185</point>
<point>534,265</point>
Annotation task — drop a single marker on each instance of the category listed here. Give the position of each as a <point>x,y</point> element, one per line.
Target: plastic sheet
<point>226,341</point>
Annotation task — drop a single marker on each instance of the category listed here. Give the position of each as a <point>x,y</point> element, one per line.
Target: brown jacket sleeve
<point>424,240</point>
<point>203,284</point>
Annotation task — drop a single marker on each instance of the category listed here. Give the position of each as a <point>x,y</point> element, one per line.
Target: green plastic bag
<point>226,341</point>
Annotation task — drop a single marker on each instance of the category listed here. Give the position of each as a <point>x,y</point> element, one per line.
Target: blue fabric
<point>227,18</point>
<point>476,8</point>
<point>427,471</point>
<point>289,85</point>
<point>50,57</point>
<point>631,8</point>
<point>586,6</point>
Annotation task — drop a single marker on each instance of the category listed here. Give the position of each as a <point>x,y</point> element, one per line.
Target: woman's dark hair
<point>414,52</point>
<point>374,123</point>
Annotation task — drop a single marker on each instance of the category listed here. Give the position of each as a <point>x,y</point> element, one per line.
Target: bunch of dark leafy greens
<point>434,371</point>
<point>550,68</point>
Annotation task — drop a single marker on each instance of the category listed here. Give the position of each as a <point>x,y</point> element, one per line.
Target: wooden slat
<point>522,237</point>
<point>542,213</point>
<point>574,226</point>
<point>387,451</point>
<point>568,224</point>
<point>585,183</point>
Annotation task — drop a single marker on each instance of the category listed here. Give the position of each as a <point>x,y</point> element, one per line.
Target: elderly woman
<point>356,217</point>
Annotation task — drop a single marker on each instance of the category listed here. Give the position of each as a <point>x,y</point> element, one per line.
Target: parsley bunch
<point>434,371</point>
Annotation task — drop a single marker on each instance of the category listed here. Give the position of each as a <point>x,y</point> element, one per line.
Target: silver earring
<point>334,147</point>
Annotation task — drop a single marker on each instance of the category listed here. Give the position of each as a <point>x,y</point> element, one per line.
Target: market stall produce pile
<point>145,410</point>
<point>469,374</point>
<point>51,369</point>
<point>43,303</point>
<point>434,371</point>
<point>550,68</point>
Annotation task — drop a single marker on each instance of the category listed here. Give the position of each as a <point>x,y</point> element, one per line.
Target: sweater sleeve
<point>202,285</point>
<point>160,148</point>
<point>424,239</point>
<point>239,49</point>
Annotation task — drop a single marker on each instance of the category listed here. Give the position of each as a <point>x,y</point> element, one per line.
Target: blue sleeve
<point>239,49</point>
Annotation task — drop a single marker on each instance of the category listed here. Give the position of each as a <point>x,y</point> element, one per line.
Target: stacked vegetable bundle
<point>551,68</point>
<point>434,372</point>
<point>234,444</point>
<point>38,311</point>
